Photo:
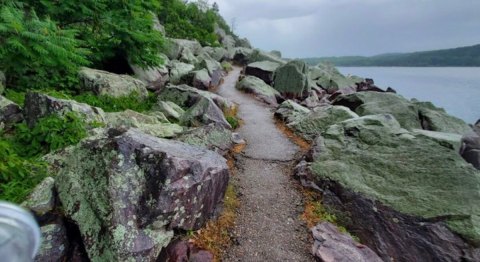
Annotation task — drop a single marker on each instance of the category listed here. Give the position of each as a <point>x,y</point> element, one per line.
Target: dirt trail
<point>268,227</point>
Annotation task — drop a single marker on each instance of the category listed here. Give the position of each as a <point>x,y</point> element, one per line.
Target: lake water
<point>456,89</point>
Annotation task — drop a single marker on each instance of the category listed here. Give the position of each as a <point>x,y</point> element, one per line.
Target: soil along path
<point>268,227</point>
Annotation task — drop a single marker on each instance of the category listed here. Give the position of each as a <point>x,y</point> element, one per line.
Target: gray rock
<point>187,56</point>
<point>213,137</point>
<point>39,105</point>
<point>332,245</point>
<point>153,124</point>
<point>260,89</point>
<point>470,150</point>
<point>289,111</point>
<point>154,78</point>
<point>201,79</point>
<point>418,197</point>
<point>449,140</point>
<point>436,119</point>
<point>106,83</point>
<point>127,190</point>
<point>243,42</point>
<point>42,199</point>
<point>263,70</point>
<point>204,112</point>
<point>170,110</point>
<point>186,96</point>
<point>178,70</point>
<point>55,245</point>
<point>330,79</point>
<point>217,53</point>
<point>276,53</point>
<point>210,64</point>
<point>291,79</point>
<point>10,113</point>
<point>175,47</point>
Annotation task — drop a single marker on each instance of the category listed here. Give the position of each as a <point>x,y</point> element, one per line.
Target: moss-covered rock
<point>259,88</point>
<point>410,173</point>
<point>371,103</point>
<point>320,119</point>
<point>292,79</point>
<point>127,190</point>
<point>39,105</point>
<point>212,137</point>
<point>106,83</point>
<point>436,119</point>
<point>10,113</point>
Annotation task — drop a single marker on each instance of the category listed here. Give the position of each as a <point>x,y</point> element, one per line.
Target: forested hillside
<point>462,56</point>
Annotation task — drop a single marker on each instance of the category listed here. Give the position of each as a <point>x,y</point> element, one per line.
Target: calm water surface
<point>457,89</point>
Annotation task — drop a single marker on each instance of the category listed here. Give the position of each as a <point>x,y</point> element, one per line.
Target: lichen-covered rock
<point>213,137</point>
<point>470,150</point>
<point>259,88</point>
<point>178,70</point>
<point>42,199</point>
<point>332,245</point>
<point>263,70</point>
<point>201,79</point>
<point>209,64</point>
<point>371,103</point>
<point>320,119</point>
<point>291,79</point>
<point>155,78</point>
<point>127,190</point>
<point>449,140</point>
<point>181,250</point>
<point>404,195</point>
<point>330,79</point>
<point>204,112</point>
<point>243,42</point>
<point>55,245</point>
<point>169,109</point>
<point>10,113</point>
<point>106,83</point>
<point>217,53</point>
<point>150,124</point>
<point>241,55</point>
<point>289,111</point>
<point>39,105</point>
<point>436,119</point>
<point>186,96</point>
<point>175,48</point>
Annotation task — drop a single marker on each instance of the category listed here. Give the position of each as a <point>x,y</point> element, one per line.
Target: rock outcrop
<point>291,79</point>
<point>39,105</point>
<point>263,70</point>
<point>259,88</point>
<point>106,83</point>
<point>127,191</point>
<point>404,195</point>
<point>332,245</point>
<point>10,113</point>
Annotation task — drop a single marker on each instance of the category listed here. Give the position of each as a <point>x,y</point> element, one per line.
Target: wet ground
<point>268,225</point>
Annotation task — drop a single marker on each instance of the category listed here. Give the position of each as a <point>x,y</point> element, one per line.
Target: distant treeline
<point>462,56</point>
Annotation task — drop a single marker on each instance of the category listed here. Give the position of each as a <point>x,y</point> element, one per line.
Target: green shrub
<point>36,53</point>
<point>233,121</point>
<point>18,176</point>
<point>49,134</point>
<point>117,104</point>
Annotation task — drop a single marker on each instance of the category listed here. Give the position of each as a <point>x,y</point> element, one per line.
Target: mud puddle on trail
<point>268,225</point>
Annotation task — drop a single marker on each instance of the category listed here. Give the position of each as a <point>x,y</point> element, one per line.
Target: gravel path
<point>268,227</point>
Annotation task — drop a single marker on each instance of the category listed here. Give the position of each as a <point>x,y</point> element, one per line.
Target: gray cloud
<point>306,28</point>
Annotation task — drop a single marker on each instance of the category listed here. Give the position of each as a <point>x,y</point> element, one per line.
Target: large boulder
<point>106,83</point>
<point>206,62</point>
<point>154,125</point>
<point>213,137</point>
<point>170,110</point>
<point>332,245</point>
<point>175,48</point>
<point>217,53</point>
<point>406,196</point>
<point>39,105</point>
<point>259,88</point>
<point>41,201</point>
<point>55,245</point>
<point>178,70</point>
<point>127,191</point>
<point>263,70</point>
<point>320,119</point>
<point>201,79</point>
<point>204,112</point>
<point>10,113</point>
<point>470,150</point>
<point>155,78</point>
<point>291,79</point>
<point>371,103</point>
<point>330,79</point>
<point>289,111</point>
<point>243,42</point>
<point>186,96</point>
<point>436,119</point>
<point>449,140</point>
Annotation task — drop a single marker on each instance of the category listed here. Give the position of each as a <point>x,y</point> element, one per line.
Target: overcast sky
<point>311,28</point>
